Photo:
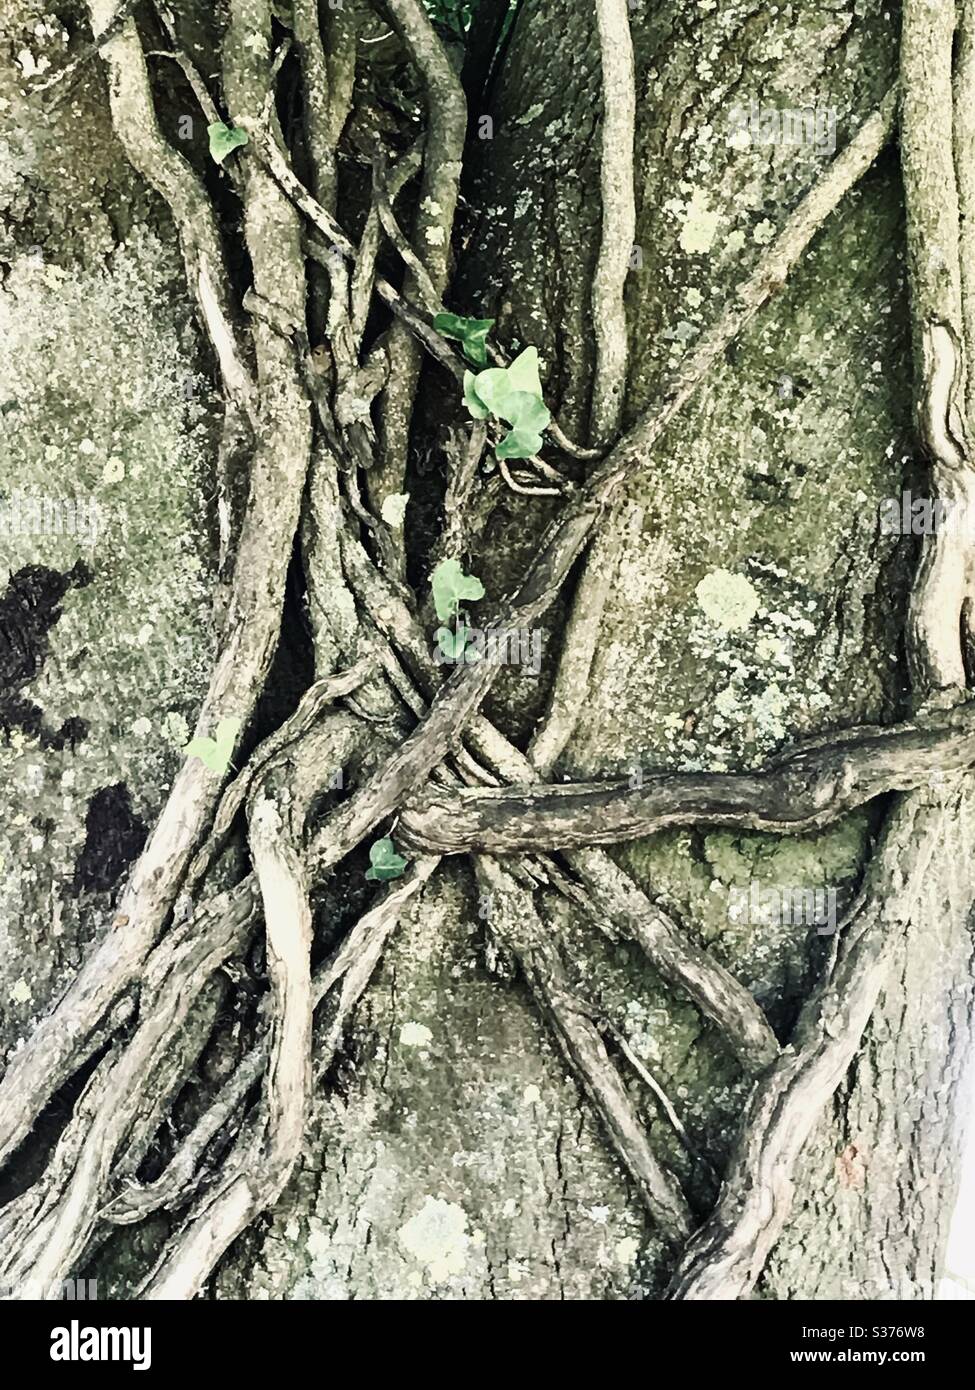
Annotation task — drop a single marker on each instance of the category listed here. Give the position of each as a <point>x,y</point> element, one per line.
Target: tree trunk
<point>484,1120</point>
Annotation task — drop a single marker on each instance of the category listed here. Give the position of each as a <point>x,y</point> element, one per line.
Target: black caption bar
<point>75,1338</point>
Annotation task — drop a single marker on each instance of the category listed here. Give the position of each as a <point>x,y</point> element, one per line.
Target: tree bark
<point>451,1148</point>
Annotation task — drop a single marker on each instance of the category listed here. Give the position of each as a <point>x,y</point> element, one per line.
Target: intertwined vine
<point>318,400</point>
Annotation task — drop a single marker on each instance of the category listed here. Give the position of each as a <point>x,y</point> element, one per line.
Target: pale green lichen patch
<point>437,1238</point>
<point>415,1035</point>
<point>175,729</point>
<point>700,224</point>
<point>729,600</point>
<point>394,509</point>
<point>626,1250</point>
<point>530,115</point>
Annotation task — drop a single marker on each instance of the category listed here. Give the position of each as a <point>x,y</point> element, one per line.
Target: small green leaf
<point>224,139</point>
<point>527,412</point>
<point>528,416</point>
<point>514,394</point>
<point>523,373</point>
<point>472,334</point>
<point>493,388</point>
<point>519,444</point>
<point>215,753</point>
<point>394,508</point>
<point>476,406</point>
<point>384,862</point>
<point>496,386</point>
<point>451,586</point>
<point>454,645</point>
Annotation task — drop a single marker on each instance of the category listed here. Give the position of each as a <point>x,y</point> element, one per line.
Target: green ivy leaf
<point>454,644</point>
<point>523,373</point>
<point>215,753</point>
<point>514,394</point>
<point>451,586</point>
<point>224,139</point>
<point>472,334</point>
<point>474,404</point>
<point>528,416</point>
<point>493,389</point>
<point>519,444</point>
<point>385,864</point>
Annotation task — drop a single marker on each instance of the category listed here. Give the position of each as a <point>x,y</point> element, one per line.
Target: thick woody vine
<point>396,698</point>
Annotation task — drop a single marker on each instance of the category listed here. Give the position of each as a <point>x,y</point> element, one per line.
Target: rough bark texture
<point>449,1153</point>
<point>107,399</point>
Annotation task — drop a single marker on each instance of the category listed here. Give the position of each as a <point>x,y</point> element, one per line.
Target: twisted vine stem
<point>419,745</point>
